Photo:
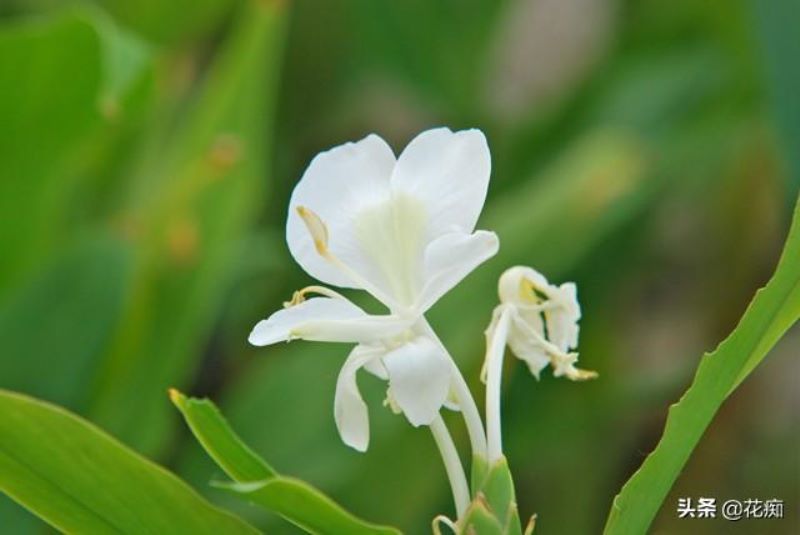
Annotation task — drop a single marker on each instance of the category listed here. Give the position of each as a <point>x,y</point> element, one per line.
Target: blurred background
<point>649,151</point>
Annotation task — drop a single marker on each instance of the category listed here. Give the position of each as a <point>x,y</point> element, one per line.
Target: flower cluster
<point>403,229</point>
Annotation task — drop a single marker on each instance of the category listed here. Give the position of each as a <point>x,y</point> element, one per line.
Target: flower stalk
<point>452,465</point>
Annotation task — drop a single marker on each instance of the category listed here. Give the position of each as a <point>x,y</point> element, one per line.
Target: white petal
<point>449,172</point>
<point>326,320</point>
<point>376,368</point>
<point>525,347</point>
<point>562,322</point>
<point>419,378</point>
<point>450,258</point>
<point>525,287</point>
<point>337,185</point>
<point>350,411</point>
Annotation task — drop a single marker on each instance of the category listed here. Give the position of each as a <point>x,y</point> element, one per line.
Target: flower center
<point>392,234</point>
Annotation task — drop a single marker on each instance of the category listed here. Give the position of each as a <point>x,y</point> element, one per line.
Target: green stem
<point>452,465</point>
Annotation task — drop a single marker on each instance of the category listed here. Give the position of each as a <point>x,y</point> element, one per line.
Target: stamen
<point>557,357</point>
<point>300,295</point>
<point>317,229</point>
<point>441,519</point>
<point>319,233</point>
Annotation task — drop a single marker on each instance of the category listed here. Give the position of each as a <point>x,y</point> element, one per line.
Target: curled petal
<point>526,347</point>
<point>552,311</point>
<point>419,379</point>
<point>336,186</point>
<point>350,411</point>
<point>450,258</point>
<point>562,321</point>
<point>325,319</point>
<point>448,171</point>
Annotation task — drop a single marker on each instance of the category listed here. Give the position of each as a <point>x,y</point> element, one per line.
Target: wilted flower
<point>544,321</point>
<point>539,323</point>
<point>403,230</point>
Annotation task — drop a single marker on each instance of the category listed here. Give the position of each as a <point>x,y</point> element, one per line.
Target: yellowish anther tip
<point>317,229</point>
<point>583,375</point>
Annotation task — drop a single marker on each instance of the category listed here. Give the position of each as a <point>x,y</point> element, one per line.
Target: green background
<point>649,151</point>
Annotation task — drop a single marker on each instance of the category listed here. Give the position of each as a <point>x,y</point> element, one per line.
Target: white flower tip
<point>358,443</point>
<point>265,333</point>
<point>490,241</point>
<point>316,228</point>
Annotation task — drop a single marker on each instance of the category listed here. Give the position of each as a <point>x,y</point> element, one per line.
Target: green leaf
<point>81,480</point>
<point>170,22</point>
<point>305,506</point>
<point>54,329</point>
<point>219,440</point>
<point>40,167</point>
<point>191,208</point>
<point>775,24</point>
<point>257,482</point>
<point>774,309</point>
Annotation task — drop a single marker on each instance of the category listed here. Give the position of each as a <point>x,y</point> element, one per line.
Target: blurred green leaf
<point>81,480</point>
<point>173,21</point>
<point>776,28</point>
<point>439,48</point>
<point>188,216</point>
<point>55,329</point>
<point>256,481</point>
<point>774,309</point>
<point>47,123</point>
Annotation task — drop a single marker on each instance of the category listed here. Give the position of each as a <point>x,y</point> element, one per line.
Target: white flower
<point>543,322</point>
<point>539,323</point>
<point>403,230</point>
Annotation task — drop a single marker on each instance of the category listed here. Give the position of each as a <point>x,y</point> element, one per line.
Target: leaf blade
<point>79,479</point>
<point>304,506</point>
<point>293,499</point>
<point>773,310</point>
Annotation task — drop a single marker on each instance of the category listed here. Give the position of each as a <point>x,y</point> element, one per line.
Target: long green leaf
<point>774,309</point>
<point>305,506</point>
<point>256,481</point>
<point>81,480</point>
<point>191,211</point>
<point>219,440</point>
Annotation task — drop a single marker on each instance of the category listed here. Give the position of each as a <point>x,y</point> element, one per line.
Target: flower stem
<point>452,465</point>
<point>494,373</point>
<point>472,418</point>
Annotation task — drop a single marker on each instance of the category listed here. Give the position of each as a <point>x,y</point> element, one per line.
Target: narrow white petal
<point>337,185</point>
<point>526,347</point>
<point>562,322</point>
<point>350,411</point>
<point>324,319</point>
<point>450,258</point>
<point>449,172</point>
<point>419,378</point>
